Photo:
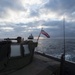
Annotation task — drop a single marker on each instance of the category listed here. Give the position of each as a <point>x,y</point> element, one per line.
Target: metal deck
<point>40,66</point>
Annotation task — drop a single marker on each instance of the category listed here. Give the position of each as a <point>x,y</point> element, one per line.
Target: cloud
<point>23,17</point>
<point>61,7</point>
<point>10,4</point>
<point>6,29</point>
<point>34,13</point>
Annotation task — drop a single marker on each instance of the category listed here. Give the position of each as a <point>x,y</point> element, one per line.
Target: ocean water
<point>55,48</point>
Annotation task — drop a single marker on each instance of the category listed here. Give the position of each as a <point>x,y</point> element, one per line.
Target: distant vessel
<point>31,37</point>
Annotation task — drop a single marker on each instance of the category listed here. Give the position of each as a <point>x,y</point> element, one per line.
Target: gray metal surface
<point>40,66</point>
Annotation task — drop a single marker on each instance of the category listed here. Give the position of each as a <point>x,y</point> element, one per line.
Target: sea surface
<point>55,48</point>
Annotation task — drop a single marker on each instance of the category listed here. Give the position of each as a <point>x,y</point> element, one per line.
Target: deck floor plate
<point>40,66</point>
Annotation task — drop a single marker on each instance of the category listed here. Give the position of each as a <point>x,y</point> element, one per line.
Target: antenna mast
<point>62,64</point>
<point>64,35</point>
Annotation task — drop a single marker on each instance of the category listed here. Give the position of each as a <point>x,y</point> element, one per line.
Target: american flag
<point>45,33</point>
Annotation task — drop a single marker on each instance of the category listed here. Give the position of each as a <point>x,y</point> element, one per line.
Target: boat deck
<point>40,66</point>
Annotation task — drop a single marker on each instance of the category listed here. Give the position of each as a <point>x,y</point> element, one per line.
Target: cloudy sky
<point>23,17</point>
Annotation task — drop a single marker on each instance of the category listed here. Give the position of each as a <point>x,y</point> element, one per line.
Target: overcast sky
<point>23,17</point>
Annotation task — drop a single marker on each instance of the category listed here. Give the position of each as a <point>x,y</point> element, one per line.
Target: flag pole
<point>39,35</point>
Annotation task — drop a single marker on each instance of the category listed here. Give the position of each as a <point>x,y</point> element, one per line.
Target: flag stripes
<point>45,33</point>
